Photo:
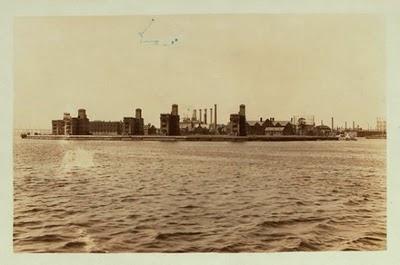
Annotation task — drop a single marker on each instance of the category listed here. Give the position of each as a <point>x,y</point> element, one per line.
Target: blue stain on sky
<point>170,41</point>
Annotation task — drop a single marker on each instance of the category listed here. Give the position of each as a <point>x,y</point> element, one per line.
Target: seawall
<point>216,138</point>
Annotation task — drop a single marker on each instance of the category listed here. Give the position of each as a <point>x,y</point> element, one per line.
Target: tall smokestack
<point>200,115</point>
<point>194,116</point>
<point>332,124</point>
<point>215,115</point>
<point>354,125</point>
<point>205,116</point>
<point>138,114</point>
<point>345,125</point>
<point>211,116</point>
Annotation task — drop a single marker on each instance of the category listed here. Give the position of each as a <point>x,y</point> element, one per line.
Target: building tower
<point>138,128</point>
<point>138,113</point>
<point>82,123</point>
<point>174,110</point>
<point>174,128</point>
<point>242,120</point>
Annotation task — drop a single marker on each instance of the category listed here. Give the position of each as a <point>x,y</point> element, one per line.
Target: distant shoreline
<point>195,138</point>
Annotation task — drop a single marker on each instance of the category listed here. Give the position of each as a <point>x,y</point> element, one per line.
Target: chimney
<point>354,126</point>
<point>194,117</point>
<point>332,123</point>
<point>260,119</point>
<point>345,125</point>
<point>138,114</point>
<point>205,116</point>
<point>215,115</point>
<point>200,115</point>
<point>211,116</point>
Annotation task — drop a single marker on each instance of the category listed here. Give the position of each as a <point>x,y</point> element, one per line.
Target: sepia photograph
<point>215,133</point>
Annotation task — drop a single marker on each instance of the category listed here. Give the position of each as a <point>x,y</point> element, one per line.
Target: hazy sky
<point>278,65</point>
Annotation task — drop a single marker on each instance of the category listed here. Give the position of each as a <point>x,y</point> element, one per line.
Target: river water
<point>102,196</point>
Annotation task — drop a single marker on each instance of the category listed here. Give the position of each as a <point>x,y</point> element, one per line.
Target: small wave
<point>48,238</point>
<point>165,236</point>
<point>376,234</point>
<point>27,223</point>
<point>75,244</point>
<point>128,200</point>
<point>306,246</point>
<point>350,249</point>
<point>290,222</point>
<point>227,248</point>
<point>189,206</point>
<point>33,210</point>
<point>368,240</point>
<point>325,226</point>
<point>302,245</point>
<point>133,216</point>
<point>351,203</point>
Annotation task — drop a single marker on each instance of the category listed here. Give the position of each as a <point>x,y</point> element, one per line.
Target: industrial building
<point>203,121</point>
<point>273,127</point>
<point>200,124</point>
<point>105,127</point>
<point>133,126</point>
<point>71,125</point>
<point>237,122</point>
<point>169,122</point>
<point>270,127</point>
<point>150,129</point>
<point>322,130</point>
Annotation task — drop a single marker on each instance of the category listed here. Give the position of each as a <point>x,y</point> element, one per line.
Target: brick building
<point>237,122</point>
<point>169,122</point>
<point>105,127</point>
<point>133,126</point>
<point>71,125</point>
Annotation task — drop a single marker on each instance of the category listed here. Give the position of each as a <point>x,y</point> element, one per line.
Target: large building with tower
<point>133,125</point>
<point>169,122</point>
<point>237,122</point>
<point>81,125</point>
<point>71,125</point>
